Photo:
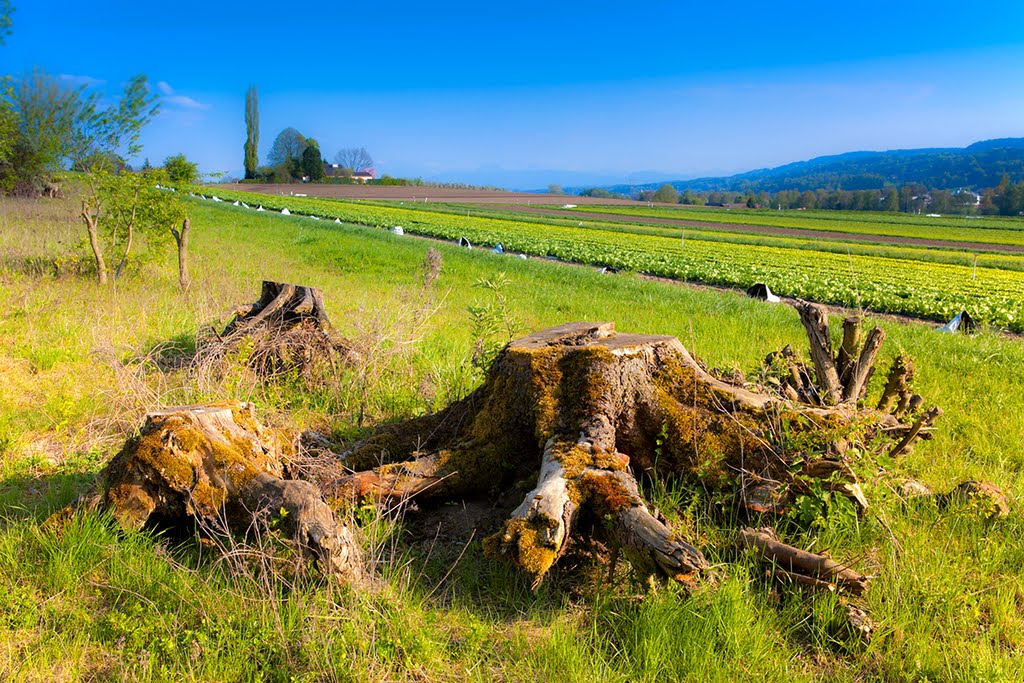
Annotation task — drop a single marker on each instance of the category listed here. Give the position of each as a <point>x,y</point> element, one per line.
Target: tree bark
<point>801,566</point>
<point>815,321</point>
<point>181,239</point>
<point>216,466</point>
<point>91,218</point>
<point>575,412</point>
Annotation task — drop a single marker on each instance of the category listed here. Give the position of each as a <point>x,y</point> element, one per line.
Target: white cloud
<point>76,81</point>
<point>165,88</point>
<point>185,102</point>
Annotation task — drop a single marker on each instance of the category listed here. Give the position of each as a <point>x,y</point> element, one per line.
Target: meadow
<point>80,365</point>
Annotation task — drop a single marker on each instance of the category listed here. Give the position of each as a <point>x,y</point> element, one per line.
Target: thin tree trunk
<point>181,238</point>
<point>131,238</point>
<point>91,225</point>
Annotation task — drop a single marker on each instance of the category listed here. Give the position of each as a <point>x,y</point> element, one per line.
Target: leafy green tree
<point>252,132</point>
<point>891,199</point>
<point>289,144</point>
<point>6,10</point>
<point>666,194</point>
<point>312,162</point>
<point>122,211</point>
<point>180,170</point>
<point>55,125</point>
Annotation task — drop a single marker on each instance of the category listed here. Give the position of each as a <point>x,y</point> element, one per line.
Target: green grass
<point>76,376</point>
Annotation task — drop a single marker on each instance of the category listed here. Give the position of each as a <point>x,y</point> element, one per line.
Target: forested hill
<point>980,165</point>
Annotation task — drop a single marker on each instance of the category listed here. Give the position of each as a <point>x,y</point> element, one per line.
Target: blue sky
<point>529,93</point>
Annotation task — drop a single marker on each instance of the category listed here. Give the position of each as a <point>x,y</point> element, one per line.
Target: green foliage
<point>180,170</point>
<point>252,132</point>
<point>129,212</point>
<point>288,145</point>
<point>55,125</point>
<point>666,194</point>
<point>6,10</point>
<point>312,162</point>
<point>494,323</point>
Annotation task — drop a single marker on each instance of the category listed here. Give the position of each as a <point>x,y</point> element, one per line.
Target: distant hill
<point>980,165</point>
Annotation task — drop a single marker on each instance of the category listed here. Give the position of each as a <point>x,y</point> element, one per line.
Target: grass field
<point>80,365</point>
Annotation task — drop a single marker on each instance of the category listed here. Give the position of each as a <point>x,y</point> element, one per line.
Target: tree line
<point>1007,199</point>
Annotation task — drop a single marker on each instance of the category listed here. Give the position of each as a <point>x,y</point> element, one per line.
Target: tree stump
<point>577,412</point>
<point>217,467</point>
<point>287,328</point>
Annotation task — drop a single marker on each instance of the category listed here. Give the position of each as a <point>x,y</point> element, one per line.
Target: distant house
<point>338,171</point>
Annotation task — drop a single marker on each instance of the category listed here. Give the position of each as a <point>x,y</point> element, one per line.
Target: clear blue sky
<point>523,94</point>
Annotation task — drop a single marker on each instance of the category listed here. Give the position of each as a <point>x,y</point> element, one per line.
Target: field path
<point>771,230</point>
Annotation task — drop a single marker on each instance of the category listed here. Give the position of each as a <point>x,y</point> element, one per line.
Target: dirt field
<point>421,194</point>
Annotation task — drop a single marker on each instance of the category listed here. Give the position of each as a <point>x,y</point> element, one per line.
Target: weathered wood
<point>217,467</point>
<point>572,414</point>
<point>897,384</point>
<point>287,328</point>
<point>280,304</point>
<point>795,562</point>
<point>860,373</point>
<point>925,421</point>
<point>847,354</point>
<point>815,320</point>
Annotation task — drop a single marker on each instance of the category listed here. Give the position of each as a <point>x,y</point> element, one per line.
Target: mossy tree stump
<point>218,468</point>
<point>582,410</point>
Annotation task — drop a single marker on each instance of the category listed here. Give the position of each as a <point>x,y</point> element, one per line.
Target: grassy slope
<point>949,591</point>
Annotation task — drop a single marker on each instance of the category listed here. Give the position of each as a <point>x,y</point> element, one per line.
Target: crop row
<point>928,290</point>
<point>947,228</point>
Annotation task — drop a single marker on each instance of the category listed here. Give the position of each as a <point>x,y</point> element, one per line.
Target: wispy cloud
<point>182,102</point>
<point>186,102</point>
<point>76,81</point>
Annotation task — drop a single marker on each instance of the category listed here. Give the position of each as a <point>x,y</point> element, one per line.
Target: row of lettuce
<point>928,290</point>
<point>993,231</point>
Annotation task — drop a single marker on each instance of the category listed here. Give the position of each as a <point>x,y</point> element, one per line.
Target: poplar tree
<point>252,132</point>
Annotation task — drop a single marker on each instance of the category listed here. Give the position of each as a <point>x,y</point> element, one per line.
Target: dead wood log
<point>577,412</point>
<point>217,467</point>
<point>798,565</point>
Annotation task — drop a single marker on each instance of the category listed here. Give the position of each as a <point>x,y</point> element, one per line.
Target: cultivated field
<point>907,283</point>
<point>80,365</point>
